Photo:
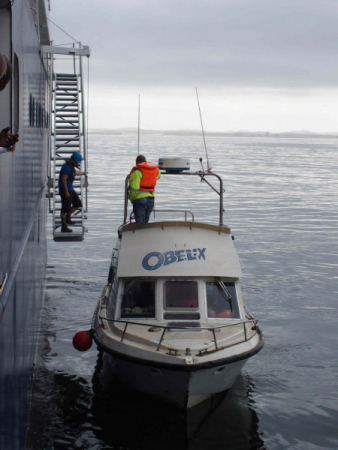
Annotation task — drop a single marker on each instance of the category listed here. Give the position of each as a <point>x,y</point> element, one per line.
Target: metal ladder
<point>68,134</point>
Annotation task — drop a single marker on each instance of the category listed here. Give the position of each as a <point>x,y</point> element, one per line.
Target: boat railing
<point>248,313</point>
<point>186,212</point>
<point>213,330</point>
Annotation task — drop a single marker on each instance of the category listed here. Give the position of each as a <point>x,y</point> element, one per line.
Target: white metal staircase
<point>68,133</point>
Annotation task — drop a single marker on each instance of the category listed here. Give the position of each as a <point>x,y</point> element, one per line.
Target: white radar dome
<point>174,164</point>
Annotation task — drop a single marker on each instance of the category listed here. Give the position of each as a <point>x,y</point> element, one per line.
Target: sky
<point>258,65</point>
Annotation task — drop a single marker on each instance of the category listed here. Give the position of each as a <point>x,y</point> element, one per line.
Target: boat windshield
<point>222,300</point>
<point>180,294</point>
<point>138,298</point>
<point>181,299</point>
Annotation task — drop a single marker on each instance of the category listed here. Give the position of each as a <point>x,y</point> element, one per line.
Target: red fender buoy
<point>82,341</point>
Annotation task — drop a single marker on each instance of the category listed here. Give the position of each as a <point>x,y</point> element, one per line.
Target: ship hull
<point>23,215</point>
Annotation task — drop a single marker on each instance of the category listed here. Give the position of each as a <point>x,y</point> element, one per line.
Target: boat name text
<point>163,259</point>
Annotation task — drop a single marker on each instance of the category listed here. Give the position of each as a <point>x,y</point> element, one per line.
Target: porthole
<point>154,371</point>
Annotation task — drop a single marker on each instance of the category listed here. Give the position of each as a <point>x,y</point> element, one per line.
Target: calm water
<point>281,204</point>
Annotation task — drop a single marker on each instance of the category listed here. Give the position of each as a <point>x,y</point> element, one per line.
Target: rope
<point>62,30</point>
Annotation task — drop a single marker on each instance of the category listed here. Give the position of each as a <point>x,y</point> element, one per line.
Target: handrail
<point>200,174</point>
<point>185,211</point>
<point>165,328</point>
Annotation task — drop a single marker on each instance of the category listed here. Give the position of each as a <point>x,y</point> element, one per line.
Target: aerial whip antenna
<point>205,145</point>
<point>138,132</point>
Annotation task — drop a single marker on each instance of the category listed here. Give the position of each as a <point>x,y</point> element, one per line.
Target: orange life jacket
<point>149,175</point>
<point>226,313</point>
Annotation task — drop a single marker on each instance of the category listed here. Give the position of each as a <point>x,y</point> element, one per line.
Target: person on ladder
<point>70,200</point>
<point>141,193</point>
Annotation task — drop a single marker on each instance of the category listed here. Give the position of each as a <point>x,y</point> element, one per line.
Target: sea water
<point>280,202</point>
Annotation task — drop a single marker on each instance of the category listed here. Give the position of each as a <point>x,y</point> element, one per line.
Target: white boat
<point>171,316</point>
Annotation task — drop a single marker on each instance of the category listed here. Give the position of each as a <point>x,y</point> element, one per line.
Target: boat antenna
<point>138,132</point>
<point>201,161</point>
<point>205,145</point>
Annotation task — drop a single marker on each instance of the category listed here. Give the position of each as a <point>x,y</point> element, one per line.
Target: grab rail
<point>185,211</point>
<point>165,328</point>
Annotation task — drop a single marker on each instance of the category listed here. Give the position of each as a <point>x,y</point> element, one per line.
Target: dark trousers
<point>142,209</point>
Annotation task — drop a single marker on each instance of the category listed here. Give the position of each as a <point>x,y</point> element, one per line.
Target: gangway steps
<point>58,146</point>
<point>71,121</point>
<point>59,129</point>
<point>69,137</point>
<point>66,104</point>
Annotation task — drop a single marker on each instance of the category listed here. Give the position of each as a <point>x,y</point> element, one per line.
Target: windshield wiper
<point>226,293</point>
<point>130,284</point>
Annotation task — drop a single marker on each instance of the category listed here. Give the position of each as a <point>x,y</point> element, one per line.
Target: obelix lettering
<point>163,259</point>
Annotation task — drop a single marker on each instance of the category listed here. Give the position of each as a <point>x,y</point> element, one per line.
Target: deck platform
<point>76,235</point>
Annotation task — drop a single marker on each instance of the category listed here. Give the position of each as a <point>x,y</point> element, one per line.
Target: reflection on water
<point>110,416</point>
<point>134,421</point>
<point>281,204</point>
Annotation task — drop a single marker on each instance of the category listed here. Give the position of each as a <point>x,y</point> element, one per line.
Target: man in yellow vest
<point>142,182</point>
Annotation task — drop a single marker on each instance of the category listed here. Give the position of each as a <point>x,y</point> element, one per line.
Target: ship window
<point>180,294</point>
<point>138,299</point>
<point>222,300</point>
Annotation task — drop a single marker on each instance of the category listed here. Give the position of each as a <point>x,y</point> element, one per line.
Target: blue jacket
<point>67,169</point>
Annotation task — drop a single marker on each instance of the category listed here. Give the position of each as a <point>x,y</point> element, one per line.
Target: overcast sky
<point>259,65</point>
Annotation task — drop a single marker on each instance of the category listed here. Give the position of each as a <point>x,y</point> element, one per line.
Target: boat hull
<point>180,388</point>
<point>181,385</point>
<point>180,379</point>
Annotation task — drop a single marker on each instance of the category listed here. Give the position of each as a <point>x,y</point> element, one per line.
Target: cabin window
<point>138,299</point>
<point>180,295</point>
<point>181,298</point>
<point>222,300</point>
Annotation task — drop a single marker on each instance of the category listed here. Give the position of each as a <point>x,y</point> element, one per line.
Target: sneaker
<point>70,221</point>
<point>65,229</point>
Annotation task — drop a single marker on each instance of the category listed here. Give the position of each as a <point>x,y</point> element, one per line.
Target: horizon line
<point>195,131</point>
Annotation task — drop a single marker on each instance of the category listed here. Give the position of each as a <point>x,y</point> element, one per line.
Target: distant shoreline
<point>258,134</point>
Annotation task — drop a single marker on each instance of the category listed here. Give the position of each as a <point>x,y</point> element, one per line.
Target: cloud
<point>258,64</point>
<point>239,43</point>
